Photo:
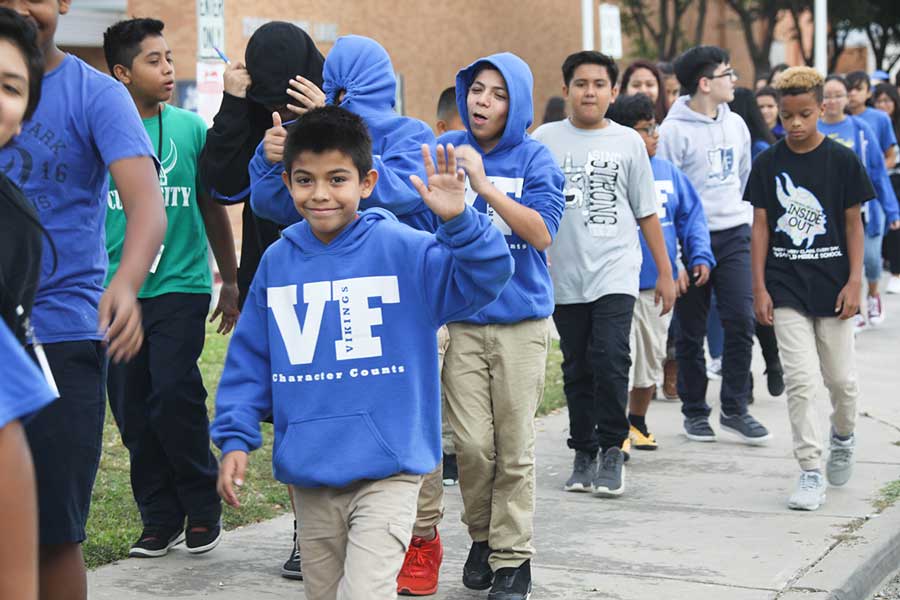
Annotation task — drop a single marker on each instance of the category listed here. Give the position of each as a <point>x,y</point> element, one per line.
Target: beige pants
<point>354,539</point>
<point>431,496</point>
<point>494,381</point>
<point>810,346</point>
<point>649,332</point>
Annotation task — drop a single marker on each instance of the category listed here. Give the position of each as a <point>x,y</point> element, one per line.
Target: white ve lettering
<point>356,317</point>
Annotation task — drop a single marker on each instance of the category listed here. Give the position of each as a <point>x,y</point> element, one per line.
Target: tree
<point>659,30</point>
<point>761,15</point>
<point>879,19</point>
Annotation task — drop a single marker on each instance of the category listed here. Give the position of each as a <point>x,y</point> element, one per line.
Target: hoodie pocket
<point>333,451</point>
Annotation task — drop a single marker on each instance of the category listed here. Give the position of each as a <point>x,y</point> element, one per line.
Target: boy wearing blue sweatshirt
<point>85,129</point>
<point>494,368</point>
<point>711,145</point>
<point>354,391</point>
<point>682,220</point>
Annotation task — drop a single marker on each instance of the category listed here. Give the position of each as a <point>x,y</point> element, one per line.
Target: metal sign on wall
<point>210,27</point>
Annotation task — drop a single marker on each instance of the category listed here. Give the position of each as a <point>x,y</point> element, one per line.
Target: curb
<point>858,565</point>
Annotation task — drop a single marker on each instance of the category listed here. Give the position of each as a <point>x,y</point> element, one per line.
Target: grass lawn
<point>114,522</point>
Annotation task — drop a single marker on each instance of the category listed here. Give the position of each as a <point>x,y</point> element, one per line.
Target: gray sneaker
<point>610,478</point>
<point>810,492</point>
<point>698,429</point>
<point>582,473</point>
<point>745,427</point>
<point>840,460</point>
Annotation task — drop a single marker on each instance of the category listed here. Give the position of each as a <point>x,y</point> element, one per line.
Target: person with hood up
<point>253,90</point>
<point>494,367</point>
<point>359,77</point>
<point>711,145</point>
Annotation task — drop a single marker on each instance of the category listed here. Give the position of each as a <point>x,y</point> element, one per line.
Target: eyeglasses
<point>650,130</point>
<point>727,73</point>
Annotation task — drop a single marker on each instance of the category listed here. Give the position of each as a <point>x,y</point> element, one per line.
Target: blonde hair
<point>799,80</point>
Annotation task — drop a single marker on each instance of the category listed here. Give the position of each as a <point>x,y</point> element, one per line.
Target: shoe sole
<point>604,492</point>
<point>143,553</point>
<point>579,488</point>
<point>294,575</point>
<point>410,592</point>
<point>207,547</point>
<point>700,438</point>
<point>450,482</point>
<point>807,508</point>
<point>644,447</point>
<point>760,441</point>
<point>479,587</point>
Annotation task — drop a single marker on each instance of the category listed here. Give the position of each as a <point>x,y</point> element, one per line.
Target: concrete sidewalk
<point>697,520</point>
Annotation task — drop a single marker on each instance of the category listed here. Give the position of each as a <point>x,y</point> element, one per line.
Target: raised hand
<point>445,193</point>
<point>273,141</point>
<point>306,93</point>
<point>237,79</point>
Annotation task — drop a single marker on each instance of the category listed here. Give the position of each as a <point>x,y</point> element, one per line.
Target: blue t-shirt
<point>85,122</point>
<point>880,123</point>
<point>23,389</point>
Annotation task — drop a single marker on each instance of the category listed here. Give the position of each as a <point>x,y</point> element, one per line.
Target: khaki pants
<point>431,497</point>
<point>649,331</point>
<point>494,381</point>
<point>808,346</point>
<point>354,539</point>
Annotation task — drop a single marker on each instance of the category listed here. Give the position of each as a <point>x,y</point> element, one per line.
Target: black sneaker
<point>512,583</point>
<point>153,543</point>
<point>745,427</point>
<point>698,429</point>
<point>610,478</point>
<point>477,574</point>
<point>203,538</point>
<point>775,381</point>
<point>583,472</point>
<point>291,569</point>
<point>451,470</point>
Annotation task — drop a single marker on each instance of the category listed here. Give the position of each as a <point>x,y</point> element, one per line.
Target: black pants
<point>596,359</point>
<point>734,295</point>
<point>159,403</point>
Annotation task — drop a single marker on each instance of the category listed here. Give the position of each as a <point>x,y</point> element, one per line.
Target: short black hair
<point>839,78</point>
<point>330,128</point>
<point>776,71</point>
<point>122,41</point>
<point>767,91</point>
<point>446,107</point>
<point>665,69</point>
<point>696,63</point>
<point>628,110</point>
<point>589,57</point>
<point>22,34</point>
<point>856,79</point>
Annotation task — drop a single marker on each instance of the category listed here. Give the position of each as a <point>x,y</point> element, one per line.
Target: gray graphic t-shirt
<point>609,186</point>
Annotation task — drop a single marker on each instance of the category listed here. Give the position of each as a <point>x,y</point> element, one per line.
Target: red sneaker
<point>419,574</point>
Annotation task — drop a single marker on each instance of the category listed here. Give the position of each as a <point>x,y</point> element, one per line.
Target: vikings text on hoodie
<point>524,169</point>
<point>682,220</point>
<point>715,156</point>
<point>362,69</point>
<point>337,341</point>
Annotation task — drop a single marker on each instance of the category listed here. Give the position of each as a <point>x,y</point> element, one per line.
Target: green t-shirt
<point>181,265</point>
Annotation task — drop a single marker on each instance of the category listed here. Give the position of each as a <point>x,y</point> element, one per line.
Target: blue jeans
<point>872,257</point>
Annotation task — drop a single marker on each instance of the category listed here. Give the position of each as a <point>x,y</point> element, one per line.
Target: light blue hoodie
<point>715,155</point>
<point>527,171</point>
<point>362,69</point>
<point>337,342</point>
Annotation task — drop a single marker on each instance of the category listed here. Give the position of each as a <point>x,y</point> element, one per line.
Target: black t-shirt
<point>805,197</point>
<point>20,256</point>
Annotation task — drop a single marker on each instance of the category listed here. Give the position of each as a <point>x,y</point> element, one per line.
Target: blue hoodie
<point>337,342</point>
<point>525,169</point>
<point>682,219</point>
<point>362,69</point>
<point>856,134</point>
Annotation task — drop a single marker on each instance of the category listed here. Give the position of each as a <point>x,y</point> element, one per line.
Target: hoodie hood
<point>360,67</point>
<point>296,55</point>
<point>680,111</point>
<point>301,234</point>
<point>519,84</point>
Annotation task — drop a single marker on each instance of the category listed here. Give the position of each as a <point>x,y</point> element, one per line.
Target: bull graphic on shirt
<point>803,218</point>
<point>168,163</point>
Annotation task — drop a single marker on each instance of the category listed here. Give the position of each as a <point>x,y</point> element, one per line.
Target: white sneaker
<point>810,492</point>
<point>875,310</point>
<point>714,368</point>
<point>859,324</point>
<point>840,460</point>
<point>893,285</point>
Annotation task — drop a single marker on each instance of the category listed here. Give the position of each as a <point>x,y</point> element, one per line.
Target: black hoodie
<point>276,52</point>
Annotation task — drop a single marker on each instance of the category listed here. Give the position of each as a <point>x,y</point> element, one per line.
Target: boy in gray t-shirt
<point>595,264</point>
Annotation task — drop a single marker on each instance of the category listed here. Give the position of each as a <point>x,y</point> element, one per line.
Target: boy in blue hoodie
<point>357,416</point>
<point>358,76</point>
<point>494,368</point>
<point>703,138</point>
<point>682,220</point>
